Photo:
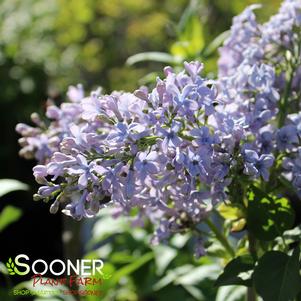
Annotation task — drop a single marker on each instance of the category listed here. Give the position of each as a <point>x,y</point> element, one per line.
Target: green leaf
<point>148,78</point>
<point>180,240</point>
<point>217,42</point>
<point>153,56</point>
<point>195,292</point>
<point>191,40</point>
<point>277,277</point>
<point>237,272</point>
<point>9,185</point>
<point>231,293</point>
<point>267,215</point>
<point>9,215</point>
<point>121,257</point>
<point>216,249</point>
<point>172,275</point>
<point>292,235</point>
<point>132,267</point>
<point>3,268</point>
<point>107,226</point>
<point>186,15</point>
<point>230,212</point>
<point>163,256</point>
<point>198,274</point>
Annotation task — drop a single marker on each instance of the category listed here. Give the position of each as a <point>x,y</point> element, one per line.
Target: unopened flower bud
<point>54,207</point>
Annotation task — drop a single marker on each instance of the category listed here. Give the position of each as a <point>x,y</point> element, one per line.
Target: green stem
<point>221,237</point>
<point>202,233</point>
<point>251,293</point>
<point>252,246</point>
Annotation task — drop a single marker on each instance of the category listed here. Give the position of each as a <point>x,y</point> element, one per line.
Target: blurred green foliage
<point>60,42</point>
<point>140,271</point>
<point>87,40</point>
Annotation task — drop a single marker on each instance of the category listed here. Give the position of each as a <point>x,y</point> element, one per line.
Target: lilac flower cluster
<point>42,141</point>
<point>168,151</point>
<point>248,50</point>
<point>250,42</point>
<point>147,150</point>
<point>176,151</point>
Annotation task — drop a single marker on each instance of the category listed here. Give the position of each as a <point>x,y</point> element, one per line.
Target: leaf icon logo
<point>11,267</point>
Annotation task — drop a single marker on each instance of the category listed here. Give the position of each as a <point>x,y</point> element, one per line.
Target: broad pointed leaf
<point>277,276</point>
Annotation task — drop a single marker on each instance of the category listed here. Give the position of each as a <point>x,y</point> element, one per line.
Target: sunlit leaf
<point>161,57</point>
<point>132,267</point>
<point>9,185</point>
<point>231,293</point>
<point>195,292</point>
<point>198,274</point>
<point>163,256</point>
<point>172,275</point>
<point>216,249</point>
<point>107,226</point>
<point>229,212</point>
<point>9,215</point>
<point>235,272</point>
<point>191,41</point>
<point>180,240</point>
<point>3,268</point>
<point>267,215</point>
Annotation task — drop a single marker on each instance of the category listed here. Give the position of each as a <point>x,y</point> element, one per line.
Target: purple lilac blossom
<point>147,150</point>
<point>173,151</point>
